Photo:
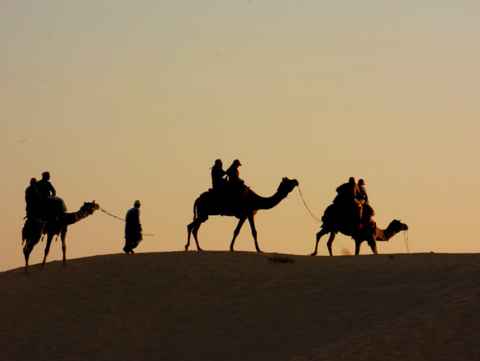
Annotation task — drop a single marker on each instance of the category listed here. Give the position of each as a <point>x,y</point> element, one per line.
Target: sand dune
<point>243,306</point>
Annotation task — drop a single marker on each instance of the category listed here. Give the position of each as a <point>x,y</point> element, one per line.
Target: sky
<point>125,100</point>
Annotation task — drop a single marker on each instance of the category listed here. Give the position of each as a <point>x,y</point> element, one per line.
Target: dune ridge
<point>243,306</point>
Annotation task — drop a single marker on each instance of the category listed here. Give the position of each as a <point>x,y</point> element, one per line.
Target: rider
<point>362,196</point>
<point>46,191</point>
<point>218,174</point>
<point>233,173</point>
<point>347,202</point>
<point>32,199</point>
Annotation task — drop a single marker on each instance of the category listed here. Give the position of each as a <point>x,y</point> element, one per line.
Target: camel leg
<point>195,229</point>
<point>330,242</point>
<point>47,248</point>
<point>236,232</point>
<point>189,233</point>
<point>319,235</point>
<point>27,249</point>
<point>63,237</point>
<point>358,243</point>
<point>373,245</point>
<point>251,221</point>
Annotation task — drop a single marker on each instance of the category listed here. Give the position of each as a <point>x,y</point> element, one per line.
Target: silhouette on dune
<point>241,203</point>
<point>334,222</point>
<point>56,223</point>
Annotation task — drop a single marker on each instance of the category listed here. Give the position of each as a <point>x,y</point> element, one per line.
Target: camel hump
<point>55,207</point>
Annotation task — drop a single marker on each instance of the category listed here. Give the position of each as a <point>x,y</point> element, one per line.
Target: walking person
<point>133,228</point>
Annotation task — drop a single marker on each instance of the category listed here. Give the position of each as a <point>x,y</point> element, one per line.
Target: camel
<point>244,206</point>
<point>34,229</point>
<point>370,232</point>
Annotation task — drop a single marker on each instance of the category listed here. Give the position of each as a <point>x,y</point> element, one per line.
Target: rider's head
<point>33,181</point>
<point>218,163</point>
<point>237,163</point>
<point>351,180</point>
<point>361,182</point>
<point>136,204</point>
<point>46,175</point>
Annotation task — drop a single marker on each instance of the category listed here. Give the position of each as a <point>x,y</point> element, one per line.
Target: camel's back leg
<point>319,235</point>
<point>189,233</point>
<point>196,226</point>
<point>331,238</point>
<point>63,237</point>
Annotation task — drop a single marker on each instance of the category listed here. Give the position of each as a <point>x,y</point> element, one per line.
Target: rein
<point>123,220</point>
<point>314,217</point>
<point>405,238</point>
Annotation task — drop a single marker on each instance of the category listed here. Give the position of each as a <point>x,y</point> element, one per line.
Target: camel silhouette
<point>370,232</point>
<point>243,206</point>
<point>57,224</point>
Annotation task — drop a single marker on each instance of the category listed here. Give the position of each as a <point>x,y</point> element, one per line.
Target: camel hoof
<point>313,254</point>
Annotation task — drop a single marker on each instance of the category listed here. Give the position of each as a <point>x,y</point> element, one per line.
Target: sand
<point>243,306</point>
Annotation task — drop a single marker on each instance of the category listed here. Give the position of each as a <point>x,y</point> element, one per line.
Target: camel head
<point>287,185</point>
<point>90,207</point>
<point>397,226</point>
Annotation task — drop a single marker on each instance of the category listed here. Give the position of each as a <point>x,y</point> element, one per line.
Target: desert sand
<point>243,306</point>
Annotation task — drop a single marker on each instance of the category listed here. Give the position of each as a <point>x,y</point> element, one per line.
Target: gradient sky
<point>125,100</point>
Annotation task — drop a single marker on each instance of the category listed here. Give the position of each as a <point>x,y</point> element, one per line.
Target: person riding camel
<point>233,174</point>
<point>32,199</point>
<point>218,175</point>
<point>367,210</point>
<point>45,188</point>
<point>347,202</point>
<point>362,191</point>
<point>46,192</point>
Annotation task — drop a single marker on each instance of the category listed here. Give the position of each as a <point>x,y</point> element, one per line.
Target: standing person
<point>32,199</point>
<point>218,174</point>
<point>133,228</point>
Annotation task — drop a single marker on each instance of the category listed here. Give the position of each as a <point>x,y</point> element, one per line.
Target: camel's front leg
<point>47,247</point>
<point>236,232</point>
<point>251,221</point>
<point>373,245</point>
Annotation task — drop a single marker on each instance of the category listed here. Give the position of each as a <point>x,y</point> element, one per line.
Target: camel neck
<point>387,233</point>
<point>75,217</point>
<point>269,202</point>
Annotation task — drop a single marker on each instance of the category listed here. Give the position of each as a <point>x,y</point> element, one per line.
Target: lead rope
<point>405,238</point>
<point>123,220</point>
<point>112,215</point>
<point>317,219</point>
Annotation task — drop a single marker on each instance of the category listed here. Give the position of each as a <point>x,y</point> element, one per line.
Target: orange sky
<point>121,101</point>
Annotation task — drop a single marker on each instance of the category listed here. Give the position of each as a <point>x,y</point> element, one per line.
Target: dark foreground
<point>242,306</point>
